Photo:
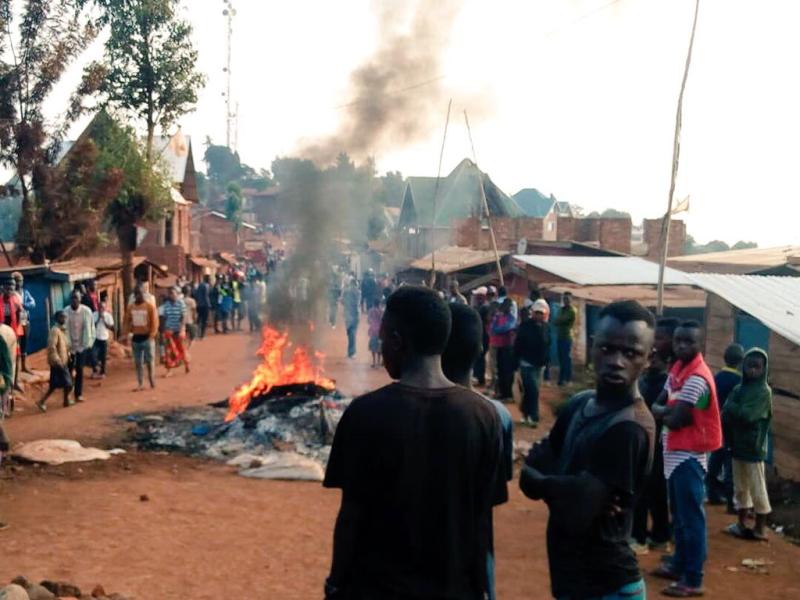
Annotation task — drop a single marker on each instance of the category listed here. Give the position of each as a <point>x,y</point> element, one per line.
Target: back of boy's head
<point>422,317</point>
<point>626,311</point>
<point>668,324</point>
<point>734,355</point>
<point>465,343</point>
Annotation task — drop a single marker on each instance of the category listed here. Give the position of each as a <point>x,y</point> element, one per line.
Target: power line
<point>393,92</point>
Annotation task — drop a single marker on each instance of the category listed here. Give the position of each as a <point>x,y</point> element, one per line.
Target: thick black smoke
<point>398,99</point>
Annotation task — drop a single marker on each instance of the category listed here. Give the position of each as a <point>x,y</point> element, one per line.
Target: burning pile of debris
<point>279,425</point>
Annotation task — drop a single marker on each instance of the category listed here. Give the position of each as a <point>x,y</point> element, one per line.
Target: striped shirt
<point>173,313</point>
<point>692,391</point>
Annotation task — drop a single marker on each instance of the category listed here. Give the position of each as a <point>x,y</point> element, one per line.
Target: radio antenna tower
<point>230,113</point>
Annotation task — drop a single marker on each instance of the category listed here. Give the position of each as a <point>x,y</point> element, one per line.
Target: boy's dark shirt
<point>725,381</point>
<point>651,384</point>
<point>202,295</point>
<point>485,311</point>
<point>600,560</point>
<point>532,343</point>
<point>424,468</point>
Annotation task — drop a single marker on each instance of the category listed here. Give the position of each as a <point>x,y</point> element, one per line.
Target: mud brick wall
<point>652,237</point>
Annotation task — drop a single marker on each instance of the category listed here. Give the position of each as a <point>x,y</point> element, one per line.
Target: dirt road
<point>205,533</point>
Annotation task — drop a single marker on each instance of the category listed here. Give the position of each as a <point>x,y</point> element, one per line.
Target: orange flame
<point>273,371</point>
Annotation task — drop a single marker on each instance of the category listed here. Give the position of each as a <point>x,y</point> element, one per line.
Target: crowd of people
<point>627,465</point>
<point>83,330</point>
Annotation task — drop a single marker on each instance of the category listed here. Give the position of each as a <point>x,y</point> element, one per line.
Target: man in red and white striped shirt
<point>690,413</point>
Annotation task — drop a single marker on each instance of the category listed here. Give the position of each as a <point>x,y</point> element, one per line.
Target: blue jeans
<point>564,361</point>
<point>632,591</point>
<point>686,495</point>
<point>351,339</point>
<point>531,382</point>
<point>490,593</point>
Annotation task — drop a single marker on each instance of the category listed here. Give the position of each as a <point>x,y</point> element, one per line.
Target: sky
<point>574,97</point>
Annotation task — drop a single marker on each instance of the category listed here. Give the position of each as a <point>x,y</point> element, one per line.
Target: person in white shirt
<point>80,330</point>
<point>104,326</point>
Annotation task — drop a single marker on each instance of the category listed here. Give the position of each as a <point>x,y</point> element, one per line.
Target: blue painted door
<point>751,333</point>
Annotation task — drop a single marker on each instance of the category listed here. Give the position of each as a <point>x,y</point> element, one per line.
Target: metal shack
<point>762,311</point>
<point>596,281</point>
<point>50,285</point>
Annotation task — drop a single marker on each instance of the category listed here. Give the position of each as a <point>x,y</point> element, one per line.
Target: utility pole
<point>230,114</point>
<point>676,152</point>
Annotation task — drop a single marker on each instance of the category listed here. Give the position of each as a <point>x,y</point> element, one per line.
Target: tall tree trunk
<point>127,245</point>
<point>26,229</point>
<point>148,152</point>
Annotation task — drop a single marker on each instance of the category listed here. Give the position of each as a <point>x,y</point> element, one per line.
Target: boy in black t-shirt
<point>418,463</point>
<point>594,464</point>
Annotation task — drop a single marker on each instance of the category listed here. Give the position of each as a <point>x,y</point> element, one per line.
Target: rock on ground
<point>62,588</point>
<point>13,592</point>
<point>35,591</point>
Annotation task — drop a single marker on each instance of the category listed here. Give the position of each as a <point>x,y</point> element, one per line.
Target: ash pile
<point>284,434</point>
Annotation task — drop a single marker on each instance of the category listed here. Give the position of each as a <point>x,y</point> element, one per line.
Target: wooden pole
<point>485,204</point>
<point>435,192</point>
<point>5,252</point>
<point>676,151</point>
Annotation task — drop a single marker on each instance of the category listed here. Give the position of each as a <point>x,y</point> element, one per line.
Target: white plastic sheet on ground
<point>279,465</point>
<point>58,452</point>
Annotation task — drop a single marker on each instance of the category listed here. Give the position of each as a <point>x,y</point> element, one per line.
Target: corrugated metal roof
<point>775,301</point>
<point>677,296</point>
<point>457,197</point>
<point>604,270</point>
<point>534,203</point>
<point>450,259</point>
<point>174,151</point>
<point>755,257</point>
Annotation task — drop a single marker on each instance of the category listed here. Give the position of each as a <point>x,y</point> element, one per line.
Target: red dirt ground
<point>206,533</point>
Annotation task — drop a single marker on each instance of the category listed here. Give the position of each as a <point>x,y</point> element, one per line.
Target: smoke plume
<point>397,99</point>
<point>397,93</point>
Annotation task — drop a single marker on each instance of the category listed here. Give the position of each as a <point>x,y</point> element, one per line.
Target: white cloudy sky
<point>582,98</point>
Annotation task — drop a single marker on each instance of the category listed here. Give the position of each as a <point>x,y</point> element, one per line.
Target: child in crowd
<point>374,318</point>
<point>746,419</point>
<point>104,326</point>
<point>58,359</point>
<point>719,480</point>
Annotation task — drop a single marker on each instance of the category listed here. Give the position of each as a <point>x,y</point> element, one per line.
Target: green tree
<point>742,245</point>
<point>233,207</point>
<point>39,40</point>
<point>609,213</point>
<point>149,62</point>
<point>144,194</point>
<point>222,164</point>
<point>390,189</point>
<point>73,200</point>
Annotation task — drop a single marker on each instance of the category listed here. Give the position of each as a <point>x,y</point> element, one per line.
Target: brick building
<point>215,233</point>
<point>168,242</point>
<point>610,233</point>
<point>431,212</point>
<point>651,236</point>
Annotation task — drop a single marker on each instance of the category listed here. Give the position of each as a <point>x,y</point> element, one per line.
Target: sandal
<point>737,531</point>
<point>681,590</point>
<point>41,407</point>
<point>760,537</point>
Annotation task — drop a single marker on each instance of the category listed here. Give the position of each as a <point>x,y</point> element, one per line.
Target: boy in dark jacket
<point>746,419</point>
<point>532,348</point>
<point>719,481</point>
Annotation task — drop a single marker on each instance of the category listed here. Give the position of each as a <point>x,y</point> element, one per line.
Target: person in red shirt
<point>501,337</point>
